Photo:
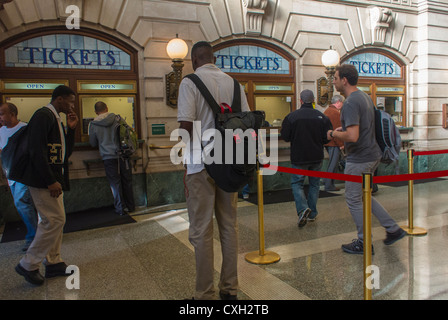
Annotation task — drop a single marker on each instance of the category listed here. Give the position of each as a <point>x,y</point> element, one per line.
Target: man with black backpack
<point>203,195</point>
<point>103,133</point>
<point>363,154</point>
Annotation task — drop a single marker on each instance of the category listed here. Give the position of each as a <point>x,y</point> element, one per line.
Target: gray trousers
<point>353,197</point>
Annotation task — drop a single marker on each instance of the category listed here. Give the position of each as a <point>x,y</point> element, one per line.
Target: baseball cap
<point>307,96</point>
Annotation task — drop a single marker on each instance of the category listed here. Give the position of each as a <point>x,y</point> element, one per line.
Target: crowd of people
<point>347,126</point>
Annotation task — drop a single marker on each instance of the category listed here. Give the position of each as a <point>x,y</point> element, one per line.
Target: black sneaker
<point>56,270</point>
<point>303,217</point>
<point>33,277</point>
<point>392,237</point>
<point>227,296</point>
<point>355,247</point>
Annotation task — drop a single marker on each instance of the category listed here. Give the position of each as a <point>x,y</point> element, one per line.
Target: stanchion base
<point>268,257</point>
<point>415,231</point>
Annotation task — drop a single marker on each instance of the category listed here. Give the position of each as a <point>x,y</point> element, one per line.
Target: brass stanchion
<point>410,229</point>
<point>261,256</point>
<point>367,229</point>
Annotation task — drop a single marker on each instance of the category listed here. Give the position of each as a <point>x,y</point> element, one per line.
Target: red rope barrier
<point>318,174</point>
<point>358,179</point>
<point>424,153</point>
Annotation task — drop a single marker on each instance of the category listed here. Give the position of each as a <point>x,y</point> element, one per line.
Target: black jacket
<point>306,129</point>
<point>46,164</point>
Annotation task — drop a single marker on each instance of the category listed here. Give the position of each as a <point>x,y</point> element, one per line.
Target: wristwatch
<point>331,133</point>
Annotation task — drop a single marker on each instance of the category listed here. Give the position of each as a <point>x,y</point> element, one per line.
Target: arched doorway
<point>382,75</point>
<point>265,71</point>
<point>95,65</point>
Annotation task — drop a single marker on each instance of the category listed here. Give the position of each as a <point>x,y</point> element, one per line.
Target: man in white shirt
<point>203,196</point>
<point>20,192</point>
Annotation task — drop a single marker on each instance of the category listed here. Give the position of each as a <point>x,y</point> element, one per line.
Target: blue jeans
<point>119,174</point>
<point>25,207</point>
<point>297,183</point>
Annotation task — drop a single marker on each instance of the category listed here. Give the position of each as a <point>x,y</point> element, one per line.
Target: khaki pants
<point>203,197</point>
<point>46,246</point>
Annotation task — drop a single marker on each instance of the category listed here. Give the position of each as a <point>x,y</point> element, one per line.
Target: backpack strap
<point>205,92</point>
<point>236,103</point>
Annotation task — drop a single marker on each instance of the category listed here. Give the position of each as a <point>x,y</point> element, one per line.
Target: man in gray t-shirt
<point>358,134</point>
<point>358,110</point>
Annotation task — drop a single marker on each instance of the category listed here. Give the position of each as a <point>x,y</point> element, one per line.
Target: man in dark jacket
<point>47,177</point>
<point>103,133</point>
<point>306,129</point>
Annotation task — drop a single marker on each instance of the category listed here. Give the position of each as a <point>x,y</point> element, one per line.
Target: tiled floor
<point>153,260</point>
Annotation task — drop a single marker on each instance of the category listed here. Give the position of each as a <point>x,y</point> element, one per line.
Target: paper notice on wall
<point>398,105</point>
<point>380,102</point>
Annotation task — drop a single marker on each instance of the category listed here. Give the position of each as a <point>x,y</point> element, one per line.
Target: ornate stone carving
<point>254,12</point>
<point>380,20</point>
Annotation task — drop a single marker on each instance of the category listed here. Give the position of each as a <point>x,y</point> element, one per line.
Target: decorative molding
<point>254,11</point>
<point>380,21</point>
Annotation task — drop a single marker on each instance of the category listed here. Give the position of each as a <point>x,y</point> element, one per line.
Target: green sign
<point>158,129</point>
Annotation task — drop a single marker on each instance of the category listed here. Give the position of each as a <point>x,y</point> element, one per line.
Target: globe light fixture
<point>330,59</point>
<point>177,50</point>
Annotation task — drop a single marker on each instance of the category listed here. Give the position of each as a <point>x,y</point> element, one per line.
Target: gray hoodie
<point>102,133</point>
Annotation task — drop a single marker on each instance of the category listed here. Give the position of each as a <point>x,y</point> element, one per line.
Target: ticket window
<point>27,105</point>
<point>276,100</point>
<point>119,96</point>
<point>393,106</point>
<point>276,108</point>
<point>120,105</point>
<point>388,98</point>
<point>391,99</point>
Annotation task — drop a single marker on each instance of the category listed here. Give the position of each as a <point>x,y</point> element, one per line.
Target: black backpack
<point>387,136</point>
<point>243,126</point>
<point>15,155</point>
